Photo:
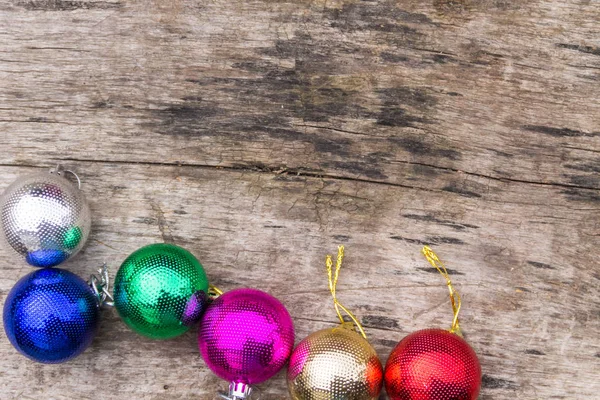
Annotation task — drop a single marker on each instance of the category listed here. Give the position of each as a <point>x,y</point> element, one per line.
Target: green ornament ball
<point>160,291</point>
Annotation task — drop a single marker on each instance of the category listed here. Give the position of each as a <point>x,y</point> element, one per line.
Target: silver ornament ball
<point>45,218</point>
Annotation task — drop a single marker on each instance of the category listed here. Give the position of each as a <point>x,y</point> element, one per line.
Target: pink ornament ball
<point>246,335</point>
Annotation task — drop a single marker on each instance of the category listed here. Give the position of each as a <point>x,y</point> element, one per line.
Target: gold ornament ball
<point>334,364</point>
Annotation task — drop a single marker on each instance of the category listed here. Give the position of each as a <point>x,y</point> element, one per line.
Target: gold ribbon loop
<point>454,296</point>
<point>333,279</point>
<point>214,292</point>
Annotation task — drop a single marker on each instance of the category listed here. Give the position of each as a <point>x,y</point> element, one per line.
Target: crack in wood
<point>299,172</point>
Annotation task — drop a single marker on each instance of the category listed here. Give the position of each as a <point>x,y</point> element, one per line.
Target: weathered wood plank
<point>262,134</point>
<point>374,90</point>
<point>528,274</point>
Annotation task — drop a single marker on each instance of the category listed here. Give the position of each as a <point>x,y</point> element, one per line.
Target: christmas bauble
<point>160,290</point>
<point>433,364</point>
<point>246,336</point>
<point>334,364</point>
<point>44,218</point>
<point>51,315</point>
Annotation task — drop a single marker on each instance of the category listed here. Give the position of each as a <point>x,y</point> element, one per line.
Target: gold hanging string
<point>454,296</point>
<point>214,291</point>
<point>333,279</point>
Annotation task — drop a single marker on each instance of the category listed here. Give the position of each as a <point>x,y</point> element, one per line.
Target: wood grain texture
<point>262,134</point>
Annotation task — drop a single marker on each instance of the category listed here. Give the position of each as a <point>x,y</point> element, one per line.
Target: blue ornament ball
<point>51,315</point>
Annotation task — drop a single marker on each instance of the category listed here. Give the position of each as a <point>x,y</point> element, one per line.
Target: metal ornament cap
<point>246,335</point>
<point>237,391</point>
<point>333,364</point>
<point>44,218</point>
<point>51,315</point>
<point>160,291</point>
<point>433,364</point>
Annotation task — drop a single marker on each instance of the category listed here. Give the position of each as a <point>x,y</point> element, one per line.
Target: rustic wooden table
<point>262,134</point>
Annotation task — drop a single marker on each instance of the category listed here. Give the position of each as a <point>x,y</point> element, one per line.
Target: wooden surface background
<point>262,134</point>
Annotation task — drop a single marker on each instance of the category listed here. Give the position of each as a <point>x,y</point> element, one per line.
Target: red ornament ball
<point>433,364</point>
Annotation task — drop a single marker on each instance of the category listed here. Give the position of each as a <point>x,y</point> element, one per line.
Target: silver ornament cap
<point>45,218</point>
